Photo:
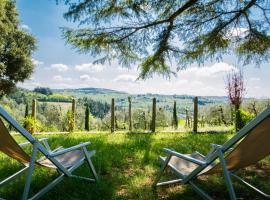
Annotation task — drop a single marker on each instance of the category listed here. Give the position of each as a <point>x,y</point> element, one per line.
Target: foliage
<point>26,115</point>
<point>31,124</point>
<point>43,90</point>
<point>141,119</point>
<point>16,48</point>
<point>162,119</point>
<point>69,122</point>
<point>216,114</point>
<point>246,117</point>
<point>51,116</point>
<point>235,89</point>
<point>56,97</point>
<point>213,112</point>
<point>158,34</point>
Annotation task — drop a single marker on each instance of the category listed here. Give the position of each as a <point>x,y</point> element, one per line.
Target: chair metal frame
<point>216,153</point>
<point>49,154</point>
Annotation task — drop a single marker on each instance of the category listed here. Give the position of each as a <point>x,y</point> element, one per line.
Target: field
<point>127,165</point>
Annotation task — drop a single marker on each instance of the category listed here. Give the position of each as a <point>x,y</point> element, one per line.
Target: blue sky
<point>60,66</point>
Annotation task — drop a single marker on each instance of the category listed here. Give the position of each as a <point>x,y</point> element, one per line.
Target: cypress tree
<point>26,114</point>
<point>195,115</point>
<point>112,116</point>
<point>87,113</point>
<point>73,113</point>
<point>26,111</point>
<point>129,114</point>
<point>175,118</point>
<point>154,113</point>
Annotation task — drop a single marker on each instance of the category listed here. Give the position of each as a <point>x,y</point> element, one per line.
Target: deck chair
<point>251,144</point>
<point>64,160</point>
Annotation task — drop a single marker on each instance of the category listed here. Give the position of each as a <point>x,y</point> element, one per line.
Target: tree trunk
<point>238,124</point>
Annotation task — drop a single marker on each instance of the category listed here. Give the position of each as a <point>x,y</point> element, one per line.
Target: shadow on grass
<point>127,164</point>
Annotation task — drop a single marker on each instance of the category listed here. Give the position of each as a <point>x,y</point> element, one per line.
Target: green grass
<point>127,165</point>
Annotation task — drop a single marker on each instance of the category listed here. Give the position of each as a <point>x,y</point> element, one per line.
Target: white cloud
<point>25,27</point>
<point>60,67</point>
<point>196,84</point>
<point>37,62</point>
<point>89,67</point>
<point>209,71</point>
<point>125,78</point>
<point>255,79</point>
<point>59,78</point>
<point>182,81</point>
<point>86,77</point>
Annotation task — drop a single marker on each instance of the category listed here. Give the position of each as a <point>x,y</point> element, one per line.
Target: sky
<point>58,65</point>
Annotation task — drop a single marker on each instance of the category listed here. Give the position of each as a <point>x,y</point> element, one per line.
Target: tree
<point>159,34</point>
<point>26,114</point>
<point>87,113</point>
<point>235,89</point>
<point>16,48</point>
<point>175,118</point>
<point>43,90</point>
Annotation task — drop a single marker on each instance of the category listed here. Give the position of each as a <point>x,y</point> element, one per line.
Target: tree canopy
<point>43,90</point>
<point>157,34</point>
<point>16,48</point>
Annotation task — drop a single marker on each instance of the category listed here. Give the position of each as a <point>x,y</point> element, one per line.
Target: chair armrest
<point>27,143</point>
<point>217,146</point>
<point>60,152</point>
<point>185,157</point>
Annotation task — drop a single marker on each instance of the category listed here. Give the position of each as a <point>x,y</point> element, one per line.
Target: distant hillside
<point>139,100</point>
<point>90,91</point>
<point>103,91</point>
<point>102,96</point>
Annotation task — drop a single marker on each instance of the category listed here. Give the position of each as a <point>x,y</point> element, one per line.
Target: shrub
<point>69,122</point>
<point>31,124</point>
<point>246,117</point>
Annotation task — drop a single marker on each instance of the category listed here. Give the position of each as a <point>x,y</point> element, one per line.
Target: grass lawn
<point>127,165</point>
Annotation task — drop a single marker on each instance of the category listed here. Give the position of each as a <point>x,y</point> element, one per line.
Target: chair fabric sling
<point>10,147</point>
<point>67,160</point>
<point>253,148</point>
<point>251,144</point>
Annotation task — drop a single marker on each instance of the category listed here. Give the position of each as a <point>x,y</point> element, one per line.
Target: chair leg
<point>90,164</point>
<point>48,187</point>
<point>227,176</point>
<point>199,191</point>
<point>248,185</point>
<point>163,167</point>
<point>30,172</point>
